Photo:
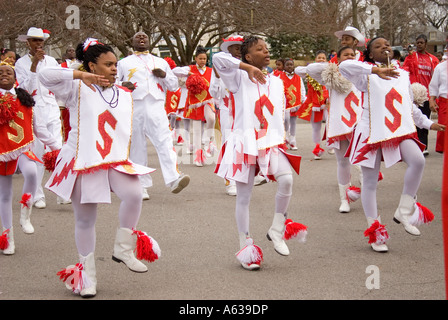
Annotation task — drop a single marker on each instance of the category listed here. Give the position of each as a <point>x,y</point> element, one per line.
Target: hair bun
<point>80,52</point>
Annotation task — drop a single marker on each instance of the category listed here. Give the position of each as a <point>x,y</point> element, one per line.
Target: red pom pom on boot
<point>377,234</point>
<point>421,215</point>
<point>146,248</point>
<point>250,255</point>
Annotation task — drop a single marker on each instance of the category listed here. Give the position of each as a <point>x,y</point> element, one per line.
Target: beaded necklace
<point>113,103</point>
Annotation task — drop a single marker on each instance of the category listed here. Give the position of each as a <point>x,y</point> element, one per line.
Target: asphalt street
<point>196,231</point>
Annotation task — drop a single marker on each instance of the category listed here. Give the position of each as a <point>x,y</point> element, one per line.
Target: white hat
<point>351,31</point>
<point>35,33</point>
<point>236,39</point>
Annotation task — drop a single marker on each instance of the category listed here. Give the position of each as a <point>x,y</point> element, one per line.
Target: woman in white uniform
<point>255,144</point>
<point>95,161</point>
<point>386,132</point>
<point>344,111</point>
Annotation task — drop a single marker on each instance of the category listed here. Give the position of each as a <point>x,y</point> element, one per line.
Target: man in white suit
<point>46,109</point>
<point>149,77</point>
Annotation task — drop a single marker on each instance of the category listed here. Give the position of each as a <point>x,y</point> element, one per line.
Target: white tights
<point>290,124</point>
<point>284,179</point>
<point>412,156</point>
<point>343,163</point>
<point>208,135</point>
<point>128,190</point>
<point>29,172</point>
<point>316,128</point>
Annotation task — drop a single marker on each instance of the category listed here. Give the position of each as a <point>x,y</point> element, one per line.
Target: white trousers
<point>51,115</point>
<point>151,121</point>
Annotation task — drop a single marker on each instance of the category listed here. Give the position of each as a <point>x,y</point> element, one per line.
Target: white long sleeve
<point>420,119</point>
<point>216,87</point>
<point>356,72</point>
<point>228,69</point>
<point>438,87</point>
<point>301,71</point>
<point>302,90</point>
<point>181,71</point>
<point>60,81</point>
<point>314,70</point>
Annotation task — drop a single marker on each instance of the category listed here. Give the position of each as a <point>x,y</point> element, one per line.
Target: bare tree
<point>182,25</point>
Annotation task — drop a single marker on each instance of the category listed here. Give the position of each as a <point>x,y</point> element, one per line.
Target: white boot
<point>404,211</point>
<point>89,283</point>
<point>248,253</point>
<point>379,245</point>
<point>276,232</point>
<point>125,243</point>
<point>292,143</point>
<point>231,188</point>
<point>81,278</point>
<point>145,194</point>
<point>11,247</point>
<point>345,206</point>
<point>25,220</point>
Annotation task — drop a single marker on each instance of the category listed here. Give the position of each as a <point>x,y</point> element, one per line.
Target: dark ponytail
<point>25,98</point>
<point>91,54</point>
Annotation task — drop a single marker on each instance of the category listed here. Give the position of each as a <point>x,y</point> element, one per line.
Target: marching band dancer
<point>199,105</point>
<point>313,109</point>
<point>386,132</point>
<point>295,94</point>
<point>18,128</point>
<point>224,98</point>
<point>47,108</point>
<point>256,144</point>
<point>343,114</point>
<point>95,161</point>
<point>149,77</point>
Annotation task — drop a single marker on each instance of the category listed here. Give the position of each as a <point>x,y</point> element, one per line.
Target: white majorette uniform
<point>344,111</point>
<point>221,95</point>
<point>258,129</point>
<point>46,108</point>
<point>385,133</point>
<point>345,102</point>
<point>98,141</point>
<point>150,119</point>
<point>223,100</point>
<point>384,127</point>
<point>256,143</point>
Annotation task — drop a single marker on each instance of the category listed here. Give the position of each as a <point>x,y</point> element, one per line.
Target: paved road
<point>197,233</point>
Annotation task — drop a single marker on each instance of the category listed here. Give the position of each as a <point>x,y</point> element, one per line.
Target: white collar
<point>12,91</point>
